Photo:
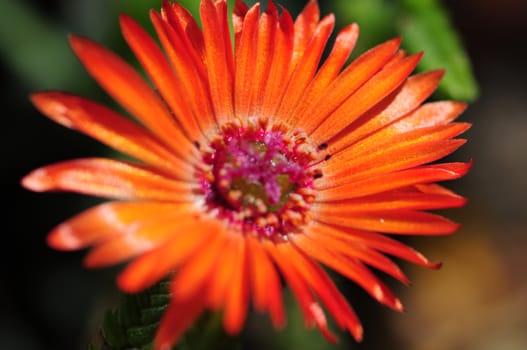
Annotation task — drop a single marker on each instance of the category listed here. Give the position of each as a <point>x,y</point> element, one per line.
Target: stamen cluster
<point>260,179</point>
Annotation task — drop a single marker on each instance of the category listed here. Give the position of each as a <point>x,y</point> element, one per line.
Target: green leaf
<point>425,26</point>
<point>376,19</point>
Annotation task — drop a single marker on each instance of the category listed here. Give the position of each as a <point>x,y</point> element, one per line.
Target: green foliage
<point>132,325</point>
<point>425,26</point>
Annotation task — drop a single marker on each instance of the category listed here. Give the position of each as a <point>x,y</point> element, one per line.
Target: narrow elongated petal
<point>128,88</point>
<point>354,270</point>
<point>110,128</point>
<point>162,75</point>
<point>107,220</point>
<point>190,69</point>
<point>179,316</point>
<point>312,311</point>
<point>305,68</point>
<point>373,240</point>
<point>107,178</point>
<point>413,92</point>
<point>391,181</point>
<point>344,44</point>
<point>246,61</point>
<point>367,96</point>
<point>158,263</point>
<point>399,222</point>
<point>219,56</point>
<point>305,26</point>
<point>266,288</point>
<point>320,282</point>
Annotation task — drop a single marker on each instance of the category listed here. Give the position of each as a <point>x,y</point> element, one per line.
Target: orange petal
<point>397,222</point>
<point>400,152</point>
<point>178,16</point>
<point>132,92</point>
<point>266,285</point>
<point>246,51</point>
<point>107,178</point>
<point>305,26</point>
<point>347,83</point>
<point>311,309</point>
<point>306,68</point>
<point>413,92</point>
<point>218,54</point>
<point>142,236</point>
<point>194,272</point>
<point>105,221</point>
<point>266,38</point>
<point>344,44</point>
<point>386,182</point>
<point>428,115</point>
<point>367,96</point>
<point>323,286</point>
<point>149,268</point>
<point>179,316</point>
<point>396,200</point>
<point>189,69</point>
<point>359,250</point>
<point>110,128</point>
<point>375,241</point>
<point>352,269</point>
<point>237,295</point>
<point>279,66</point>
<point>161,74</point>
<point>219,282</point>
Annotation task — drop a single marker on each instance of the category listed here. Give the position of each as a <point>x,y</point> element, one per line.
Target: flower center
<point>259,180</point>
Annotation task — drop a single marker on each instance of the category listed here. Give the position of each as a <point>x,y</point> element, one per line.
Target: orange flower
<point>255,162</point>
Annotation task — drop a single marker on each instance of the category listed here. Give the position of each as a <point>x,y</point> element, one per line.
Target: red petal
<point>396,200</point>
<point>218,54</point>
<point>306,68</point>
<point>110,128</point>
<point>358,250</point>
<point>266,285</point>
<point>398,222</point>
<point>237,297</point>
<point>158,263</point>
<point>161,74</point>
<point>246,51</point>
<point>132,92</point>
<point>305,25</point>
<point>107,220</point>
<point>107,178</point>
<point>279,66</point>
<point>194,272</point>
<point>190,70</point>
<point>352,269</point>
<point>375,241</point>
<point>323,286</point>
<point>391,181</point>
<point>267,36</point>
<point>179,316</point>
<point>142,236</point>
<point>376,154</point>
<point>313,313</point>
<point>344,44</point>
<point>367,96</point>
<point>413,92</point>
<point>347,83</point>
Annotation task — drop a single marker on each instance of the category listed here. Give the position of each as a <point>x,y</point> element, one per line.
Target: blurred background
<point>478,300</point>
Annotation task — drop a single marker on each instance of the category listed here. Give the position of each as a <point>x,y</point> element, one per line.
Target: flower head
<point>254,162</point>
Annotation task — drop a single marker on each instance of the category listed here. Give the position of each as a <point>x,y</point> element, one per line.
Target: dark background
<point>478,300</point>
